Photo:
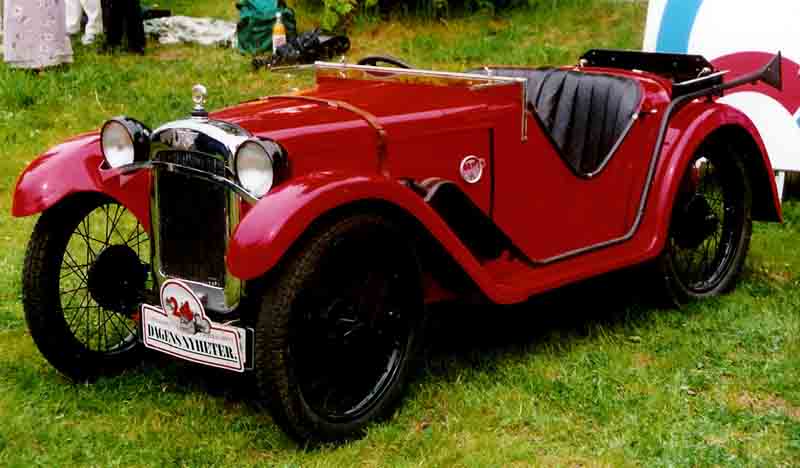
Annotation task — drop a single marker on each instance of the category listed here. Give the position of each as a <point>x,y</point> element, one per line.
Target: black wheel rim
<point>352,332</point>
<point>103,276</point>
<point>708,221</point>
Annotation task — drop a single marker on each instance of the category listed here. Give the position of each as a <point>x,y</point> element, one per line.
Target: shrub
<point>337,14</point>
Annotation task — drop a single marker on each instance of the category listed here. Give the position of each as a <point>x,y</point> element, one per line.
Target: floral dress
<point>34,33</point>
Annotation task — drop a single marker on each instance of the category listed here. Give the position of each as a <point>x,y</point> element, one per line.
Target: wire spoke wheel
<point>711,224</point>
<point>104,273</point>
<point>86,272</point>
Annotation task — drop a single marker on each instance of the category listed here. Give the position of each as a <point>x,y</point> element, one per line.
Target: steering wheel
<point>373,60</point>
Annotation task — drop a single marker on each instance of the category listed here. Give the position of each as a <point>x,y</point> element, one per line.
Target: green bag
<point>256,18</point>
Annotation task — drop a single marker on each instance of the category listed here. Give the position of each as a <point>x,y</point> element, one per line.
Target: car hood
<point>310,126</point>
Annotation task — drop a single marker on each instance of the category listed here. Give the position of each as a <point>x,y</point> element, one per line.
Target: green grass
<point>557,382</point>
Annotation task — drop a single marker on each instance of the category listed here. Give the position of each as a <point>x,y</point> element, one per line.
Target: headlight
<point>255,164</point>
<point>123,141</point>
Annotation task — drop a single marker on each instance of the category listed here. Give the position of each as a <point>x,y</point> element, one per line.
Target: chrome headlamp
<point>124,140</point>
<point>255,163</point>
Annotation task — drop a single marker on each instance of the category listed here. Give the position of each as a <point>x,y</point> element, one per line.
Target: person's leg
<point>74,14</point>
<point>134,26</point>
<point>105,10</point>
<point>94,25</point>
<point>114,14</point>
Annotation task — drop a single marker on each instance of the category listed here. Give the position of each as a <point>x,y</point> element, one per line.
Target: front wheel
<point>339,329</point>
<point>711,224</point>
<point>86,270</point>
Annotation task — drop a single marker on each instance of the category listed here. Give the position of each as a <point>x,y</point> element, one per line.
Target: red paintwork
<point>567,212</point>
<point>439,126</point>
<point>690,127</point>
<point>526,188</point>
<point>73,167</point>
<point>256,245</point>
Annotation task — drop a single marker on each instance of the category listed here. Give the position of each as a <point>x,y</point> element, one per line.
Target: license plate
<point>181,328</point>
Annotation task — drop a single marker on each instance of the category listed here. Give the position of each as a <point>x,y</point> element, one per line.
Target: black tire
<point>86,270</point>
<point>710,227</point>
<point>339,329</point>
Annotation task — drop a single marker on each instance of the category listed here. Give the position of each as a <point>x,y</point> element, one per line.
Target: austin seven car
<point>303,237</point>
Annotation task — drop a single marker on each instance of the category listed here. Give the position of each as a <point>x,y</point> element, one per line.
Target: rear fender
<point>273,225</point>
<point>692,126</point>
<point>75,166</point>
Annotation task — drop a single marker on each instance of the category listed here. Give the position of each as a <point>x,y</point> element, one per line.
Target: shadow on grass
<point>465,335</point>
<point>462,335</point>
<point>477,337</point>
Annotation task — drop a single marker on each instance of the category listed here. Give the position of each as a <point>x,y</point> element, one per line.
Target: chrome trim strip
<point>487,85</point>
<point>525,110</point>
<point>223,299</point>
<point>219,141</point>
<point>190,171</point>
<point>702,78</point>
<point>289,68</point>
<point>417,72</point>
<point>230,140</point>
<point>616,146</point>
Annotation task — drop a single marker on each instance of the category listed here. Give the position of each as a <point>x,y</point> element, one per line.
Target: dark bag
<point>305,48</point>
<point>256,18</point>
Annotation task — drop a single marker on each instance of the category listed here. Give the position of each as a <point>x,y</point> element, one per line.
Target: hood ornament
<point>199,96</point>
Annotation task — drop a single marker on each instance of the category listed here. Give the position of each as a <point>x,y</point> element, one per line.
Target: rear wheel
<point>86,271</point>
<point>710,229</point>
<point>339,329</point>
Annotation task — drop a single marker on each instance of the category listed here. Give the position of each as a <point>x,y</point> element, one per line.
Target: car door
<point>550,210</point>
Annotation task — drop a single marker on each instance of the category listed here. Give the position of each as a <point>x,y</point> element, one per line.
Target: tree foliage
<point>337,14</point>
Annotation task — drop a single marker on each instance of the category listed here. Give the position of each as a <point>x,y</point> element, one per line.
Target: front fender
<point>270,228</point>
<point>74,167</point>
<point>690,127</point>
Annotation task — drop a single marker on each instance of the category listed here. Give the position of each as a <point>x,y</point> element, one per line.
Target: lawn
<point>560,381</point>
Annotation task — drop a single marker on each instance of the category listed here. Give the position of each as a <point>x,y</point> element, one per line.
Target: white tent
<point>740,35</point>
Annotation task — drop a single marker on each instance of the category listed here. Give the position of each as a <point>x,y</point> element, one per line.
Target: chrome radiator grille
<point>192,220</point>
<point>194,160</point>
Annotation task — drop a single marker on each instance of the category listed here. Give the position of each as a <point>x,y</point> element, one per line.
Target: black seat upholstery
<point>585,114</point>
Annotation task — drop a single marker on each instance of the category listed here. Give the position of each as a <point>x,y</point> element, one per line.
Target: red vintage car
<point>301,236</point>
